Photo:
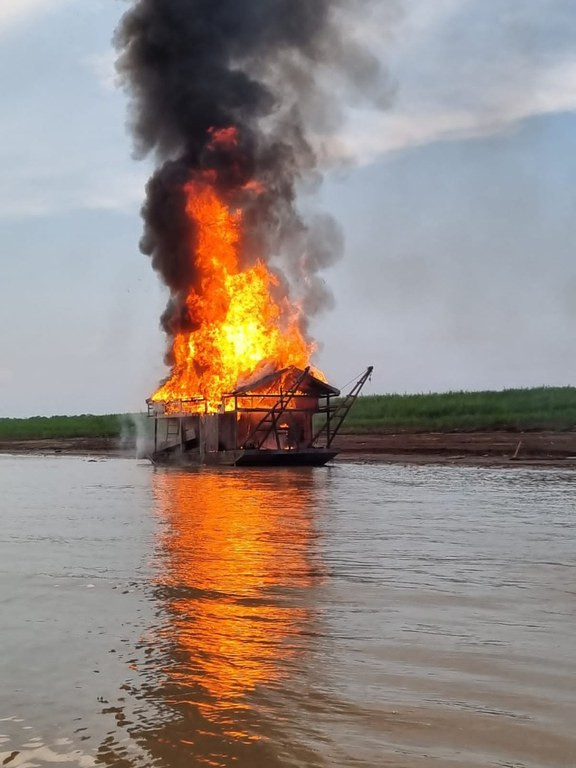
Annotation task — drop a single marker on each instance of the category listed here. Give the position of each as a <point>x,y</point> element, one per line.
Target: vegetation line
<point>514,409</point>
<point>40,427</point>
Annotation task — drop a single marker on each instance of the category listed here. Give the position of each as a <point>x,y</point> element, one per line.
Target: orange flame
<point>243,327</point>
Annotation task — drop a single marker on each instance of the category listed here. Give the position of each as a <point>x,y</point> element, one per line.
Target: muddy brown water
<point>359,615</point>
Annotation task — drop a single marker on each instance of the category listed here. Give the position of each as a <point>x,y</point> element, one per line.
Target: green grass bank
<point>546,408</point>
<point>62,427</point>
<point>543,408</point>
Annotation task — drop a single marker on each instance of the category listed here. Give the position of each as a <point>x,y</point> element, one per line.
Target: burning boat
<point>287,418</point>
<point>236,323</point>
<point>226,99</point>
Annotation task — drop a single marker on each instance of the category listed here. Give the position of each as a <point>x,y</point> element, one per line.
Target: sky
<point>457,203</point>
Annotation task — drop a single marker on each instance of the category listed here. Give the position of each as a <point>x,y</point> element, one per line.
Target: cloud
<point>64,146</point>
<point>13,12</point>
<point>119,192</point>
<point>414,124</point>
<point>466,69</point>
<point>102,67</point>
<point>6,376</point>
<point>30,194</point>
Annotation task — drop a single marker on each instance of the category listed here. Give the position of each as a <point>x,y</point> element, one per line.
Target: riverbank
<point>491,448</point>
<point>509,427</point>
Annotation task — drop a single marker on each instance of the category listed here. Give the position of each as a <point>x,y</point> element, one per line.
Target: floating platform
<point>286,419</point>
<point>311,457</point>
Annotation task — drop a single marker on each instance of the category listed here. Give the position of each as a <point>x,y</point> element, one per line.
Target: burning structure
<point>224,95</point>
<point>289,417</point>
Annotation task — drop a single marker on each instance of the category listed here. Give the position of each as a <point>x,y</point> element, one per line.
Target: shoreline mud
<point>486,448</point>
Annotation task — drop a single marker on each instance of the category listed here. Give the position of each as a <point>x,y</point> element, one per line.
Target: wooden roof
<point>286,379</point>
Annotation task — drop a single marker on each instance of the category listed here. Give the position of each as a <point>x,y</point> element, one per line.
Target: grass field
<point>39,427</point>
<point>514,409</point>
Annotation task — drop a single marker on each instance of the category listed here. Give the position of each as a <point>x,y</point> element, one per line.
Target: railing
<point>246,403</point>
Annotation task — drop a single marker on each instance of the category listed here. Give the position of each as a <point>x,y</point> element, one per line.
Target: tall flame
<point>242,326</point>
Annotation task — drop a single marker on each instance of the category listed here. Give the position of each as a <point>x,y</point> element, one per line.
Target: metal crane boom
<point>335,417</point>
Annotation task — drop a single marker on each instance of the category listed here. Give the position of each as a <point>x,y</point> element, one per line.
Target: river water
<point>358,615</point>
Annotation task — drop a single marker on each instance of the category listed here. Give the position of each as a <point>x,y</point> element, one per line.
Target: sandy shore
<point>485,448</point>
<point>489,448</point>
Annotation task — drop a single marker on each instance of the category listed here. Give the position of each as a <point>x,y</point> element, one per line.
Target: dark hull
<point>314,457</point>
<point>311,457</point>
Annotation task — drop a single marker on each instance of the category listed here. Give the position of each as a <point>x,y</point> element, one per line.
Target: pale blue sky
<point>458,210</point>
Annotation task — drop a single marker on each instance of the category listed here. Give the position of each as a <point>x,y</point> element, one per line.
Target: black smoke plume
<point>275,71</point>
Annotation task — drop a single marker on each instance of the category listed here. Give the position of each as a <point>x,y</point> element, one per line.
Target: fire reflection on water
<point>235,564</point>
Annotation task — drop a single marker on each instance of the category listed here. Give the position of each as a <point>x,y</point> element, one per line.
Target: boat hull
<point>311,457</point>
